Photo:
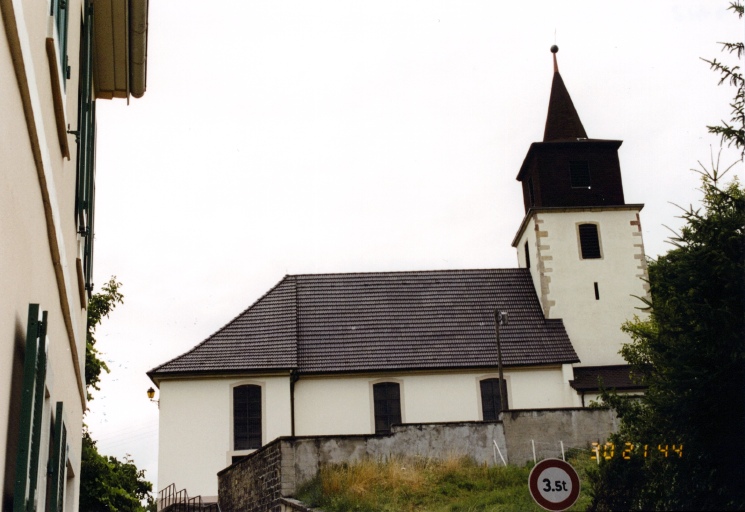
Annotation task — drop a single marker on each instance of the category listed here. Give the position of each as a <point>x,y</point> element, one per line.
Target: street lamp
<point>500,318</point>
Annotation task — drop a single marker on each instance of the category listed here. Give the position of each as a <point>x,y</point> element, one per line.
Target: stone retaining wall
<point>548,428</point>
<point>252,484</point>
<point>258,482</point>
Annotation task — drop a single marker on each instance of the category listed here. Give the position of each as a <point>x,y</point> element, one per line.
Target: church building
<point>340,354</point>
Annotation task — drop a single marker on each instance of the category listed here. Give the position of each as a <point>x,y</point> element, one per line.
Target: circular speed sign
<point>554,484</point>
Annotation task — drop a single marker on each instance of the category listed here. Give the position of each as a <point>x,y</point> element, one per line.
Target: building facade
<point>57,58</point>
<point>337,354</point>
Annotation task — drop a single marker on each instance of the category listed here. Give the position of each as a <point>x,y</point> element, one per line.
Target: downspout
<point>294,377</point>
<point>137,62</point>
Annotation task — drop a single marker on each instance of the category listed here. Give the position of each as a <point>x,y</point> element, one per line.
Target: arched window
<point>491,404</point>
<point>246,417</point>
<point>387,397</point>
<point>589,241</point>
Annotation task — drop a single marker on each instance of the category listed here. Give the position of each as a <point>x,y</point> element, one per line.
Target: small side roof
<point>334,323</point>
<point>618,377</point>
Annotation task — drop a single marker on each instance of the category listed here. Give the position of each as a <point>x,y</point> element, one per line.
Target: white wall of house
<point>565,282</point>
<point>195,438</point>
<point>27,273</point>
<point>344,405</point>
<point>196,428</point>
<point>539,388</point>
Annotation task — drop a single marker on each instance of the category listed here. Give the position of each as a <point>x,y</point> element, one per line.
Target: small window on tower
<point>579,174</point>
<point>589,241</point>
<point>527,256</point>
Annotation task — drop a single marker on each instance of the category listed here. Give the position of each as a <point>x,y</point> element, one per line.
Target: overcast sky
<point>287,137</point>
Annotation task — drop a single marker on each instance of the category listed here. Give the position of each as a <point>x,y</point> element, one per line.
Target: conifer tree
<point>685,438</point>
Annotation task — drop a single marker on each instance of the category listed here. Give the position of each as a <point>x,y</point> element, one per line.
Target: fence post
<point>532,441</point>
<point>496,446</point>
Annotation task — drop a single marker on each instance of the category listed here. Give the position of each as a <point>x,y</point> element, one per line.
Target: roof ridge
<point>195,347</point>
<point>380,272</point>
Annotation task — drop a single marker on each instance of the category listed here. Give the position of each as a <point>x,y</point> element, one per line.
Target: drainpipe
<point>138,14</point>
<point>293,379</point>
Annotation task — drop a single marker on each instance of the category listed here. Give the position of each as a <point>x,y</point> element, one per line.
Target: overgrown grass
<point>407,485</point>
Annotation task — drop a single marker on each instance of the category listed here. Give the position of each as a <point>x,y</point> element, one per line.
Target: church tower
<point>581,241</point>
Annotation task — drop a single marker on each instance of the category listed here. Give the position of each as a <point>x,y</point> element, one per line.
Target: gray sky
<point>286,137</point>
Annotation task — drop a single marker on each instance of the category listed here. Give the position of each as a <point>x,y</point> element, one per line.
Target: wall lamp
<point>151,395</point>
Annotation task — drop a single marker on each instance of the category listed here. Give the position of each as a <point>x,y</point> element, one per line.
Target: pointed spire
<point>562,122</point>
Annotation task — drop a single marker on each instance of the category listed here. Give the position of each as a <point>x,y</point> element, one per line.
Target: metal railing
<point>171,500</point>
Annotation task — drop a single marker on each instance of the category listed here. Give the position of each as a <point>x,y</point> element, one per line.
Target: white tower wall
<point>565,282</point>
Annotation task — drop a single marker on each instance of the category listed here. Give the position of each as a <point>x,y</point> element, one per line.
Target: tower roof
<point>562,121</point>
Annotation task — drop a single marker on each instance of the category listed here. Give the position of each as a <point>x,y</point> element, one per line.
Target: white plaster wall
<point>528,235</point>
<point>564,282</point>
<point>332,405</point>
<point>439,398</point>
<point>594,326</point>
<point>537,388</point>
<point>195,438</point>
<point>344,405</point>
<point>195,431</point>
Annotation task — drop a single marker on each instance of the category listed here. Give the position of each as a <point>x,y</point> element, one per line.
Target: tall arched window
<point>387,397</point>
<point>491,404</point>
<point>246,417</point>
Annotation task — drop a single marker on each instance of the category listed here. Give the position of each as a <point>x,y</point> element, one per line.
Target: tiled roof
<point>383,321</point>
<point>590,378</point>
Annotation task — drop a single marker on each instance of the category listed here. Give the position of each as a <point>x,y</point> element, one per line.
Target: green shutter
<point>32,403</point>
<point>86,139</point>
<point>58,463</point>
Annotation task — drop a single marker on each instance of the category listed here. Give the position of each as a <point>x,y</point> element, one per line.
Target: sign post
<point>554,484</point>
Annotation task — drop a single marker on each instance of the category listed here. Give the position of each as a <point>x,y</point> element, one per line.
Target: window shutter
<point>86,139</point>
<point>387,406</point>
<point>58,463</point>
<point>491,403</point>
<point>589,241</point>
<point>32,402</point>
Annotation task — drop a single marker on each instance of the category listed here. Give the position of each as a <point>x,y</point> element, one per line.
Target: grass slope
<point>408,485</point>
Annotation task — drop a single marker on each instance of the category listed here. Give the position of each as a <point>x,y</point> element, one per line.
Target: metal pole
<point>499,318</point>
